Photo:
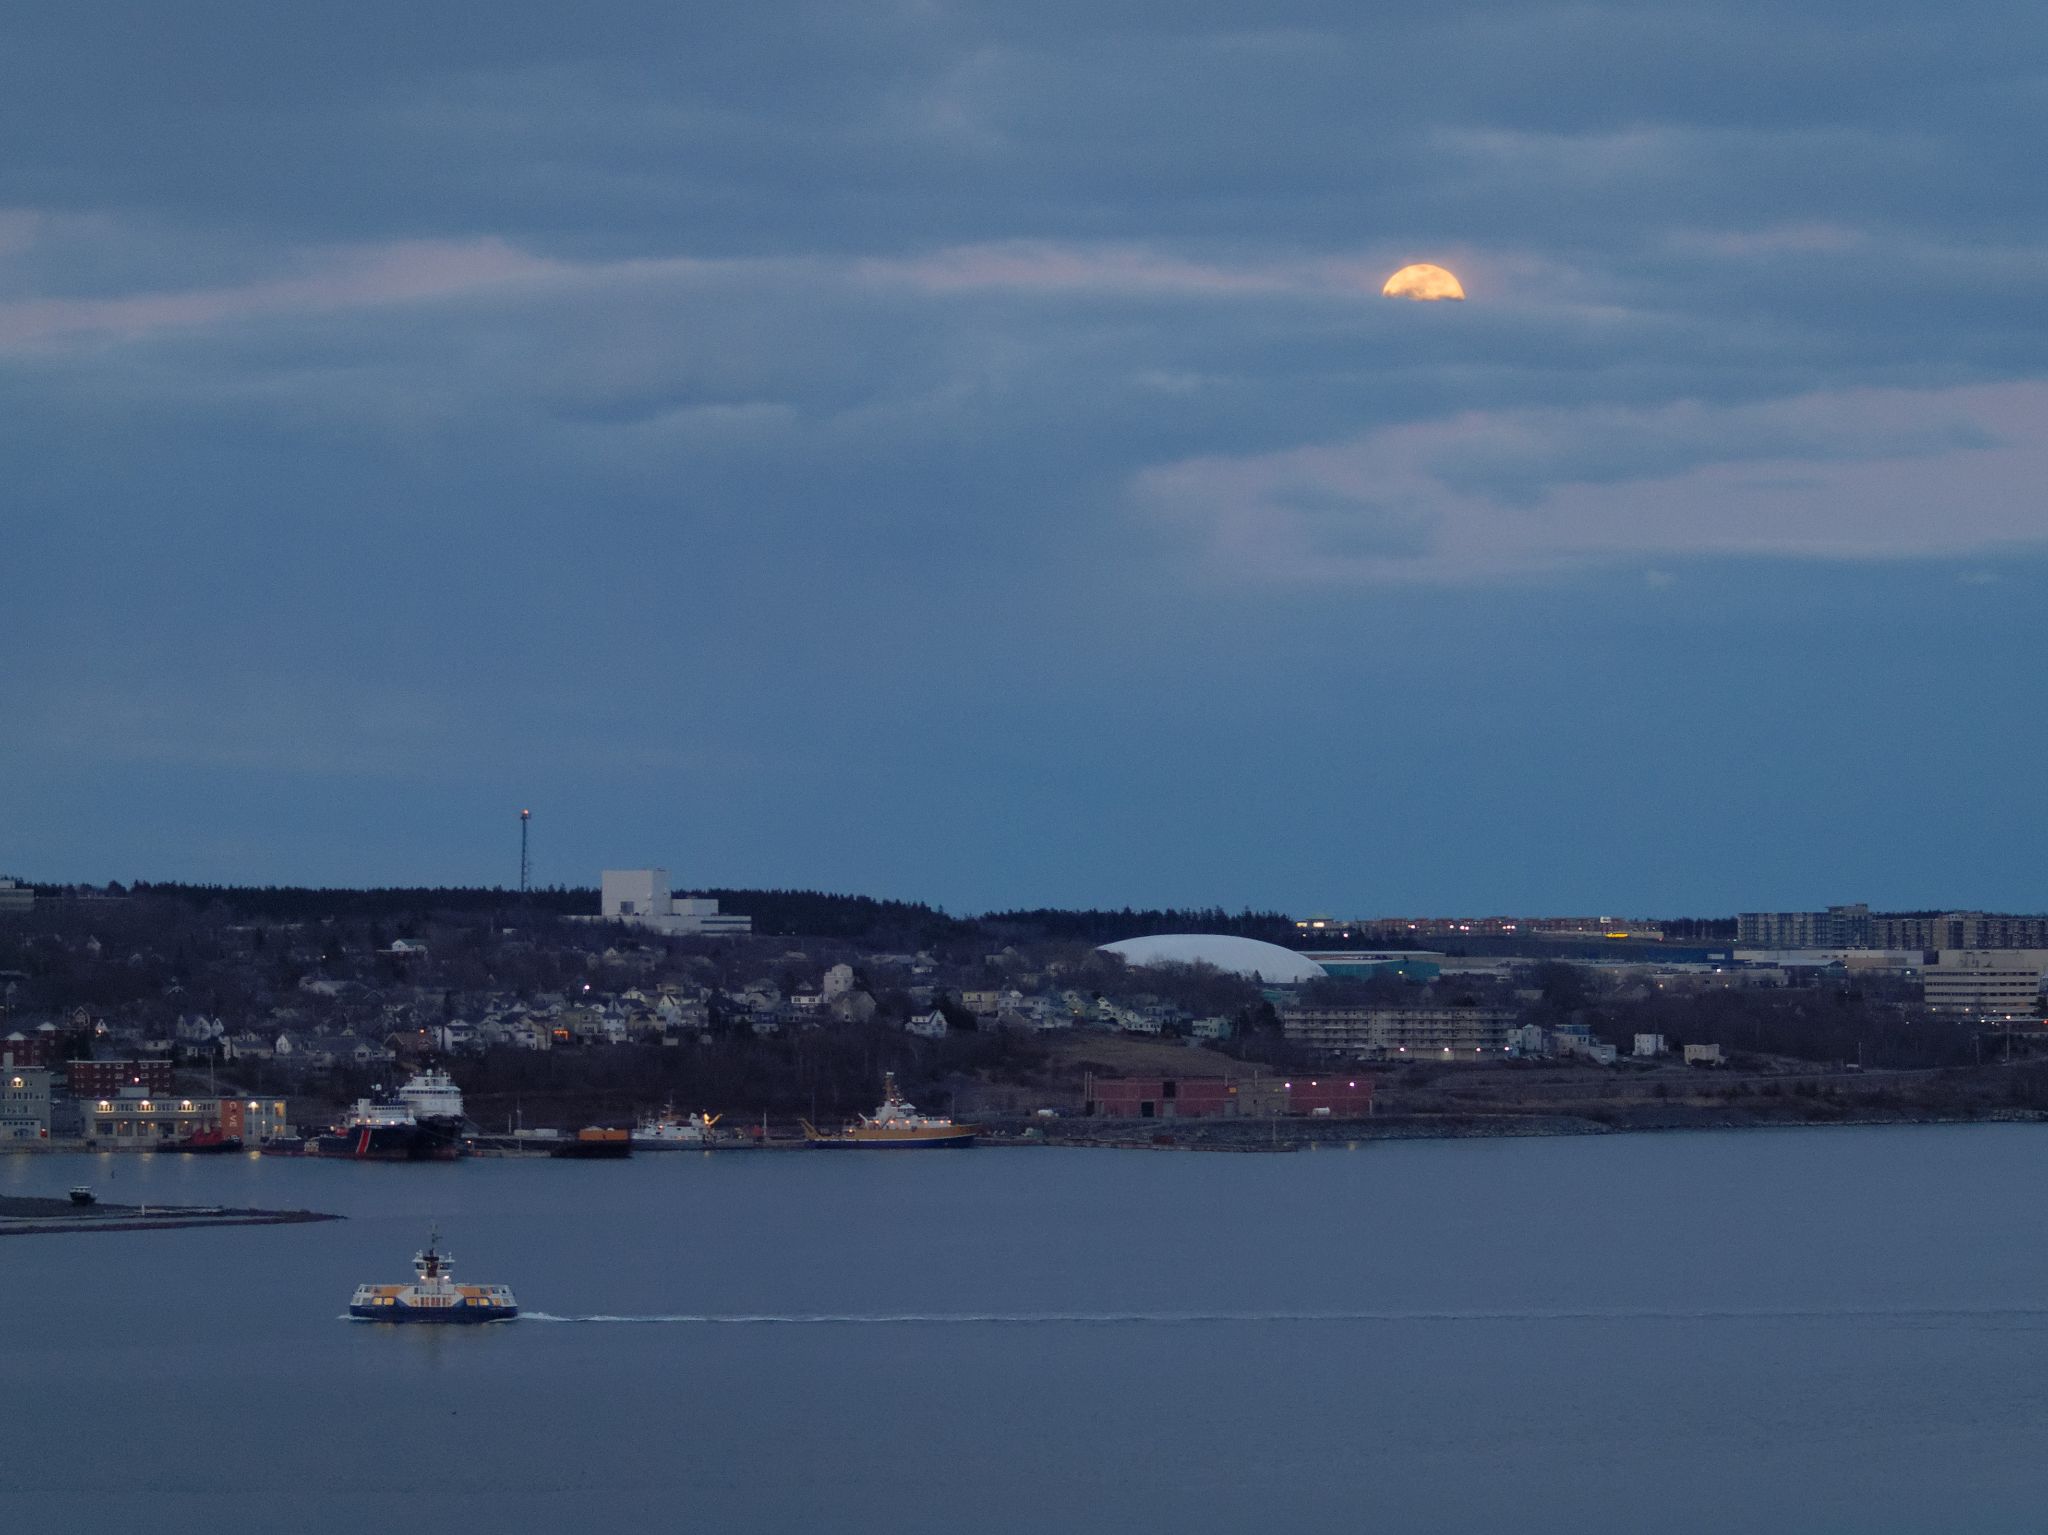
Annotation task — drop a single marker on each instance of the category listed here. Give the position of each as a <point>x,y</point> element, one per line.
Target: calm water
<point>1797,1330</point>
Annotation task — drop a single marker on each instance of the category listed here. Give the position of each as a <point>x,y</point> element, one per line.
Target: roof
<point>1240,956</point>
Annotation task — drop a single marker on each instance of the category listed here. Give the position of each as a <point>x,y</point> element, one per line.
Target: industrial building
<point>1420,965</point>
<point>1993,985</point>
<point>641,898</point>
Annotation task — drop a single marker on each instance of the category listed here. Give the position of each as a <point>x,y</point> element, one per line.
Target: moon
<point>1423,281</point>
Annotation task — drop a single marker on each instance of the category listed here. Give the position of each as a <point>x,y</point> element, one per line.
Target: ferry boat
<point>896,1123</point>
<point>666,1131</point>
<point>422,1124</point>
<point>433,1296</point>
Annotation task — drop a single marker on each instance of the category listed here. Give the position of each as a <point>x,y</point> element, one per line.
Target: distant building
<point>1649,1046</point>
<point>1988,984</point>
<point>931,1025</point>
<point>37,1047</point>
<point>641,898</point>
<point>1385,928</point>
<point>15,898</point>
<point>1220,1098</point>
<point>1360,964</point>
<point>104,1079</point>
<point>1378,1033</point>
<point>1704,1055</point>
<point>1858,927</point>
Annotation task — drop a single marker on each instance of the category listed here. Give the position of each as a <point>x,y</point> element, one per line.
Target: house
<point>1704,1055</point>
<point>931,1025</point>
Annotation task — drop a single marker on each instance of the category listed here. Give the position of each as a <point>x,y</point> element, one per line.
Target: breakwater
<point>54,1217</point>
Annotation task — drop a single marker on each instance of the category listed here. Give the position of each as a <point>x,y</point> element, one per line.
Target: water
<point>1768,1330</point>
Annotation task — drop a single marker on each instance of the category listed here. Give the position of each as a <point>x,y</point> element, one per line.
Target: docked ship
<point>212,1139</point>
<point>667,1131</point>
<point>594,1143</point>
<point>896,1123</point>
<point>423,1123</point>
<point>433,1296</point>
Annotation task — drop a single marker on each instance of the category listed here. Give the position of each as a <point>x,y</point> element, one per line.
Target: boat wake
<point>1210,1318</point>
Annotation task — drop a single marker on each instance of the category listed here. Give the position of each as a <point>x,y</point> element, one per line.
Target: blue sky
<point>959,451</point>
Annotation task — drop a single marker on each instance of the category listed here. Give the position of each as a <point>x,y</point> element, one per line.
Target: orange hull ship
<point>895,1125</point>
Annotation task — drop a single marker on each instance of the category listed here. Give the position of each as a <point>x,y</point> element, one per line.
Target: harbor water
<point>1800,1330</point>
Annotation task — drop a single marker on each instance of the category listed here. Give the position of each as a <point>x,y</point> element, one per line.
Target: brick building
<point>106,1079</point>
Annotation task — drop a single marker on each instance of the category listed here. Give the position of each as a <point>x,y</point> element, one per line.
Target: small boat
<point>82,1194</point>
<point>667,1131</point>
<point>896,1124</point>
<point>433,1296</point>
<point>595,1143</point>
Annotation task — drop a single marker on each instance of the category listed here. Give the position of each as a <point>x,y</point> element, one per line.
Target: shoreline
<point>22,1216</point>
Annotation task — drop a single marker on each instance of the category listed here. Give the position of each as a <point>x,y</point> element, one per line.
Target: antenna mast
<point>525,864</point>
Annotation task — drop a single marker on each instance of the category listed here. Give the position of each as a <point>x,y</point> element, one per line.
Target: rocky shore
<point>49,1217</point>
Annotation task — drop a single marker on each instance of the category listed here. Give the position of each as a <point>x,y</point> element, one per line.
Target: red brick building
<point>105,1079</point>
<point>36,1049</point>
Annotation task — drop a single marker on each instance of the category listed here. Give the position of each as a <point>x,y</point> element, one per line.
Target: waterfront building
<point>25,1104</point>
<point>2002,985</point>
<point>1160,1097</point>
<point>1220,1098</point>
<point>1381,1033</point>
<point>139,1117</point>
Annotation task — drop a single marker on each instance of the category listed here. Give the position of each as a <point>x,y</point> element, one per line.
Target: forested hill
<point>776,913</point>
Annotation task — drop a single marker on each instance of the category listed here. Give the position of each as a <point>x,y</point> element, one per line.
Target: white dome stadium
<point>1240,956</point>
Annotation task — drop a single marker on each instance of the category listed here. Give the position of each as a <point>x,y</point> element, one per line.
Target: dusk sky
<point>960,452</point>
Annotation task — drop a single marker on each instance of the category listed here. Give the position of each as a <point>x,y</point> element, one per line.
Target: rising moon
<point>1423,281</point>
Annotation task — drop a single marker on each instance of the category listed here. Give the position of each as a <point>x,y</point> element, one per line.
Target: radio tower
<point>525,865</point>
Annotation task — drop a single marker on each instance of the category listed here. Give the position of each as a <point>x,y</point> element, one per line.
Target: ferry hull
<point>386,1143</point>
<point>443,1316</point>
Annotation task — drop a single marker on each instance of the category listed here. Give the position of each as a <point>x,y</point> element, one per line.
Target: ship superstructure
<point>433,1296</point>
<point>668,1130</point>
<point>897,1123</point>
<point>424,1123</point>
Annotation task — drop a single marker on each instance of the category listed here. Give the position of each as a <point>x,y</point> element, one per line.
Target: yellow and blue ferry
<point>433,1296</point>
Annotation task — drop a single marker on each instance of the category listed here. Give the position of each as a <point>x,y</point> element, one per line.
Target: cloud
<point>1849,475</point>
<point>402,272</point>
